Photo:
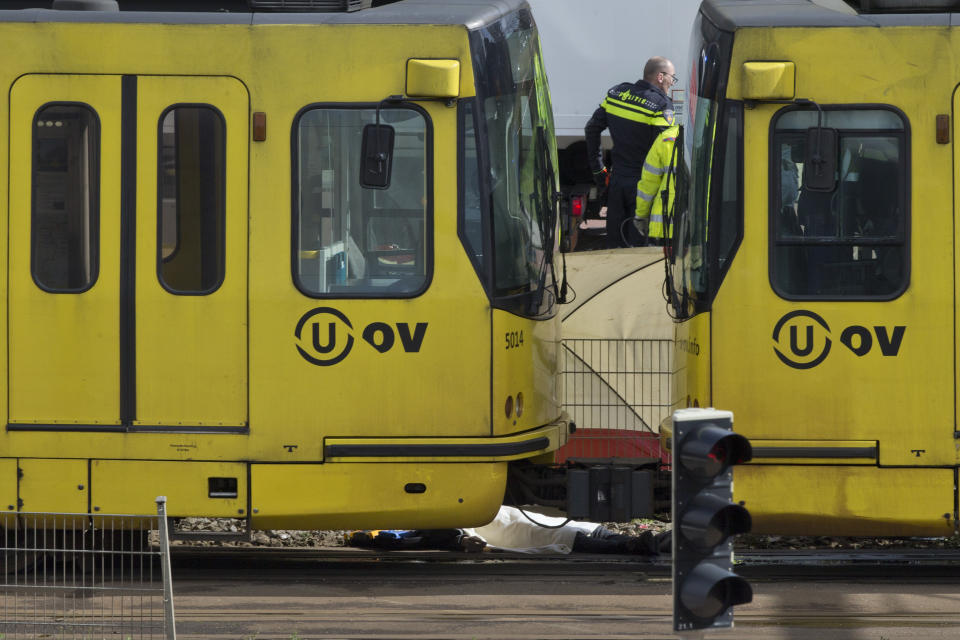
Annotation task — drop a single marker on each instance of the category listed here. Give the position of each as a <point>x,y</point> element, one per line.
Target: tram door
<point>127,252</point>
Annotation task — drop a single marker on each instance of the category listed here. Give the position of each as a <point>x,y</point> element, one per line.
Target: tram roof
<point>469,13</point>
<point>730,15</point>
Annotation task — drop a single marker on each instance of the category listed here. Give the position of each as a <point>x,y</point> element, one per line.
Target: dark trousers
<point>603,540</point>
<point>621,207</point>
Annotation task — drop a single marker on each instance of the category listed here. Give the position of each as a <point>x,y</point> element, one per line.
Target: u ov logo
<point>325,343</point>
<point>809,342</point>
<point>801,353</point>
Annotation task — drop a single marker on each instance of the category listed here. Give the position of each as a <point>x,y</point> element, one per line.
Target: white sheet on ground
<point>512,531</point>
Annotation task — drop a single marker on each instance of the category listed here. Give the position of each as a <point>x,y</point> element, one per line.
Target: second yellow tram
<point>815,271</point>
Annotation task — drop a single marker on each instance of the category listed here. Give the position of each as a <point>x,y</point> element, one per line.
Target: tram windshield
<point>700,255</point>
<point>519,180</point>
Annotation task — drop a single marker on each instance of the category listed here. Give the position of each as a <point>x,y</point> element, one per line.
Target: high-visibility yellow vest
<point>657,177</point>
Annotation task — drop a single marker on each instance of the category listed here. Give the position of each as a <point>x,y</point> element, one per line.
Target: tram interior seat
<point>865,204</point>
<point>816,217</point>
<point>393,258</point>
<point>356,262</point>
<point>789,262</point>
<point>876,213</point>
<point>315,219</point>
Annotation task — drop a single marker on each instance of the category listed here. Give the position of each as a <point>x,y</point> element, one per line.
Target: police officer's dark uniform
<point>635,114</point>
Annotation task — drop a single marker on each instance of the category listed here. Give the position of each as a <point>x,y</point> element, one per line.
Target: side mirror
<point>820,159</point>
<point>376,156</point>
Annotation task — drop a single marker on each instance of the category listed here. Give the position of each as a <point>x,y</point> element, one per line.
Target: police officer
<point>635,114</point>
<point>657,186</point>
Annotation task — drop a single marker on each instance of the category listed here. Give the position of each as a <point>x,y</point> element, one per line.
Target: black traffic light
<point>704,519</point>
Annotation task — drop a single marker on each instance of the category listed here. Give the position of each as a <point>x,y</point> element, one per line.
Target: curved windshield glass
<point>517,124</point>
<point>689,285</point>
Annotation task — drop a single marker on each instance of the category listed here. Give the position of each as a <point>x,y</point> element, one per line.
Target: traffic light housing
<point>705,518</point>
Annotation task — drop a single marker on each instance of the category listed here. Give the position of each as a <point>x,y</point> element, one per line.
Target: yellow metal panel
<point>192,349</point>
<point>64,356</point>
<point>956,261</point>
<point>275,52</point>
<point>906,402</point>
<point>769,80</point>
<point>291,401</point>
<point>120,486</point>
<point>54,486</point>
<point>433,78</point>
<point>8,484</point>
<point>129,446</point>
<point>525,365</point>
<point>691,363</point>
<point>372,495</point>
<point>442,389</point>
<point>846,501</point>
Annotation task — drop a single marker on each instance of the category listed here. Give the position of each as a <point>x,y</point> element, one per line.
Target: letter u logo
<point>799,356</point>
<point>331,338</point>
<point>313,348</point>
<point>797,350</point>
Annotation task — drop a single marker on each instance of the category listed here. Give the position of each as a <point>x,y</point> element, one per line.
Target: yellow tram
<point>814,273</point>
<point>296,268</point>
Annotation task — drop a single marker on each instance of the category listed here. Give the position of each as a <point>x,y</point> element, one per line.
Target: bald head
<point>656,66</point>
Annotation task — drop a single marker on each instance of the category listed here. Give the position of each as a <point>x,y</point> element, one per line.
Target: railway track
<point>283,594</point>
<point>756,561</point>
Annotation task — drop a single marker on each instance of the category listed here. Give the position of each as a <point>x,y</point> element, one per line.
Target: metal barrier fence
<point>617,392</point>
<point>85,576</point>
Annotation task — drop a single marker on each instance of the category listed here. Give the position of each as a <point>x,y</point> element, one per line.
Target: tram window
<point>730,214</point>
<point>848,243</point>
<point>471,216</point>
<point>350,240</point>
<point>192,203</point>
<point>65,215</point>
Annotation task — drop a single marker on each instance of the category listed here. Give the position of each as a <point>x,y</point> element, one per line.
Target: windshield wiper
<point>543,169</point>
